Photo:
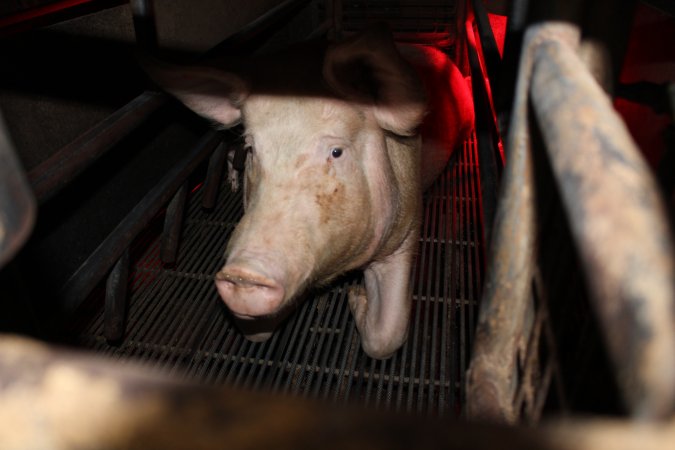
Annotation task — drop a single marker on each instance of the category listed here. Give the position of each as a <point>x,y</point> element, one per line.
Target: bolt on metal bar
<point>619,222</point>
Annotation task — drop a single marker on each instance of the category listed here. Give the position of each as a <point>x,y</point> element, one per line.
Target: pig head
<point>332,180</point>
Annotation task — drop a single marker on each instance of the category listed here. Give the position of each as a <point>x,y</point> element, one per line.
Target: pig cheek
<point>343,222</point>
<point>331,204</point>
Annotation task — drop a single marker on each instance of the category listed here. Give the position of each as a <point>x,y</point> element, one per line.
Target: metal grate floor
<point>176,321</point>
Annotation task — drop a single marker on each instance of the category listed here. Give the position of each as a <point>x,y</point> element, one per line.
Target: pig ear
<point>368,68</point>
<point>210,92</point>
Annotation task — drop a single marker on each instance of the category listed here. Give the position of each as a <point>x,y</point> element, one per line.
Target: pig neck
<point>405,190</point>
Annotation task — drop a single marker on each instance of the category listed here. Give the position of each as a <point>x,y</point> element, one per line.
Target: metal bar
<point>461,267</point>
<point>52,175</point>
<point>92,270</point>
<point>345,313</point>
<point>173,223</point>
<point>116,299</point>
<point>488,44</point>
<point>453,257</point>
<point>17,204</point>
<point>618,220</point>
<point>145,27</point>
<point>141,406</point>
<point>214,174</point>
<point>491,375</point>
<point>486,135</point>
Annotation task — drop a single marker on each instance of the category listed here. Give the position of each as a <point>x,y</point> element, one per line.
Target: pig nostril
<point>248,293</point>
<point>242,281</point>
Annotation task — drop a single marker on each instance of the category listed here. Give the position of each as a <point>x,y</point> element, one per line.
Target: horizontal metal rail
<point>109,251</point>
<point>618,222</point>
<point>53,174</point>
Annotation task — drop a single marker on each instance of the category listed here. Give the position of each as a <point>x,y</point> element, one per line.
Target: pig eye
<point>336,152</point>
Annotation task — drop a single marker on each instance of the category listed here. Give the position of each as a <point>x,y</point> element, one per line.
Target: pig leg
<point>382,309</point>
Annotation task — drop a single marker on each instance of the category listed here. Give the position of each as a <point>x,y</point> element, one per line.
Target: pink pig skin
<point>334,178</point>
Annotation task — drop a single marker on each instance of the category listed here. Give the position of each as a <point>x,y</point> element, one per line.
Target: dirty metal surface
<point>58,399</point>
<point>504,326</point>
<point>176,321</point>
<point>618,222</point>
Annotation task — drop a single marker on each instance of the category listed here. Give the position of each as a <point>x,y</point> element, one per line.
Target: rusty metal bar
<point>173,223</point>
<point>52,175</point>
<point>17,204</point>
<point>93,269</point>
<point>619,224</point>
<point>116,300</point>
<point>506,300</point>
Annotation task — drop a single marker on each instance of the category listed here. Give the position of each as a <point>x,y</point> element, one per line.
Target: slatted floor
<point>177,322</point>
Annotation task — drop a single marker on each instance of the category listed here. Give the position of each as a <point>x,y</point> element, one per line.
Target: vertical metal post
<point>214,174</point>
<point>507,301</point>
<point>173,223</point>
<point>487,139</point>
<point>116,300</point>
<point>488,43</point>
<point>144,25</point>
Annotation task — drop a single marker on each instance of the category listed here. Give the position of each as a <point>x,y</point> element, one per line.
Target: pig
<point>334,174</point>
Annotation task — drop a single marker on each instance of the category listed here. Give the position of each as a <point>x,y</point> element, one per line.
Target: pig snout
<point>249,293</point>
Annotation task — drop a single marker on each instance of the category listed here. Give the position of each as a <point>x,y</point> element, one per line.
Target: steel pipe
<point>618,222</point>
<point>501,330</point>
